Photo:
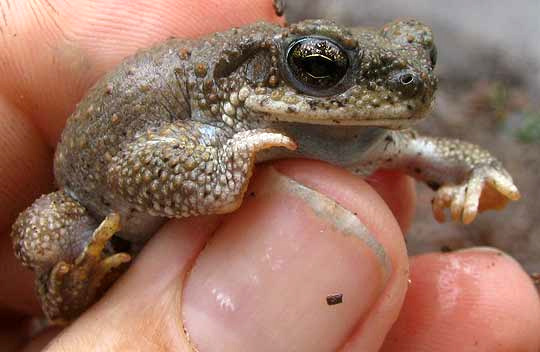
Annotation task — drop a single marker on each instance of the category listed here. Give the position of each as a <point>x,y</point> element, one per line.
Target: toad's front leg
<point>189,168</point>
<point>467,178</point>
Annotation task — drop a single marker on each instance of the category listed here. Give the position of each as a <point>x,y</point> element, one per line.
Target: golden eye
<point>317,63</point>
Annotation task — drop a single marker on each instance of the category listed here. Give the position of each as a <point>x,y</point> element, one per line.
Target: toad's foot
<point>487,188</point>
<point>72,287</point>
<point>466,177</point>
<point>62,243</point>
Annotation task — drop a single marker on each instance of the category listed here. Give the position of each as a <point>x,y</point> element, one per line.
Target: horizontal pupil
<point>318,66</point>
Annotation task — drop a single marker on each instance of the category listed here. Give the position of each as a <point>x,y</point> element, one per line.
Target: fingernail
<point>272,277</point>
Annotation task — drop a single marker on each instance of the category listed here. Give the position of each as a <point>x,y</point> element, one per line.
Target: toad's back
<point>146,92</point>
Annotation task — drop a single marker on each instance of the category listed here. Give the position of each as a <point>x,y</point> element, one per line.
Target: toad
<point>175,130</point>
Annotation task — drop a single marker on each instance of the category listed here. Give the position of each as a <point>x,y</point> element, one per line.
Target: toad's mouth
<point>395,116</point>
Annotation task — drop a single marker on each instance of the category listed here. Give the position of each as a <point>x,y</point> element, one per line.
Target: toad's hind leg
<point>69,253</point>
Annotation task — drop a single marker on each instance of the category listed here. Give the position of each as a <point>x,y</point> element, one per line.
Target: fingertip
<point>399,192</point>
<point>284,252</point>
<point>478,299</point>
<point>375,202</point>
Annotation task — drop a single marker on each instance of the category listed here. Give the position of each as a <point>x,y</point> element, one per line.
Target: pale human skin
<point>146,300</point>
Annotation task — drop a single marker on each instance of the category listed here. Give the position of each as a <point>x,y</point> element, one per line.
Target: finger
<point>398,192</point>
<point>54,50</point>
<point>474,300</point>
<point>25,173</point>
<point>261,282</point>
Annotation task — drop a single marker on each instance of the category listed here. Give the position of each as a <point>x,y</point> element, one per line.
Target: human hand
<point>258,278</point>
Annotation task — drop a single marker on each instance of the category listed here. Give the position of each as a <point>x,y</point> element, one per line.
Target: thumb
<point>306,231</point>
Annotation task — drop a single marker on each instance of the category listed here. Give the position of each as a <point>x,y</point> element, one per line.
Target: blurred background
<point>489,94</point>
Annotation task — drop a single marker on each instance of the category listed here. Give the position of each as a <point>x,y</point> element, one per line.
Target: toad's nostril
<point>407,82</point>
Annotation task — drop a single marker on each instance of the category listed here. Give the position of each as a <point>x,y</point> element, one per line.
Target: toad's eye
<point>316,63</point>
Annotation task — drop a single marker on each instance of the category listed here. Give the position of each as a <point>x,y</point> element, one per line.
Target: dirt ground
<point>489,94</point>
